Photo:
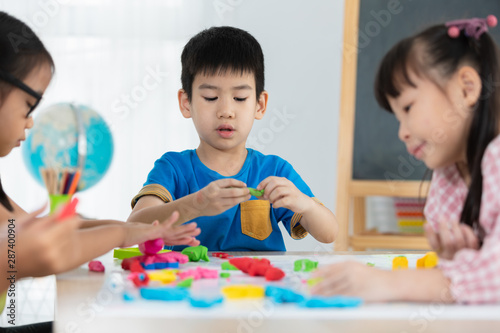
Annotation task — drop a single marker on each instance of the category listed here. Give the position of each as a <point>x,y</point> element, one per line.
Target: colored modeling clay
<point>400,262</point>
<point>164,276</point>
<point>226,266</point>
<point>204,302</point>
<point>139,279</point>
<point>242,291</point>
<point>258,267</point>
<point>304,265</point>
<point>199,273</point>
<point>186,283</point>
<point>146,260</point>
<point>274,274</point>
<point>255,192</point>
<point>164,294</point>
<point>225,275</point>
<point>370,264</point>
<point>127,297</point>
<point>314,281</point>
<point>222,255</point>
<point>196,253</point>
<point>331,302</point>
<point>151,246</point>
<point>96,266</point>
<point>130,252</point>
<point>283,295</point>
<point>430,260</point>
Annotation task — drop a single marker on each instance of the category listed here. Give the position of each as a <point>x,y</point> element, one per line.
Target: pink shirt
<point>474,274</point>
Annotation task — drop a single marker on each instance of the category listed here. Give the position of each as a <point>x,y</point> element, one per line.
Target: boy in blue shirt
<point>223,92</point>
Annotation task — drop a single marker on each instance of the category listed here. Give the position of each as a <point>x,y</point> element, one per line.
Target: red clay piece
<point>136,267</point>
<point>274,274</point>
<point>96,266</point>
<point>258,267</point>
<point>222,255</point>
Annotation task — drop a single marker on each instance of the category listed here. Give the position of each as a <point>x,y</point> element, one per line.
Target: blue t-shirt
<point>251,225</point>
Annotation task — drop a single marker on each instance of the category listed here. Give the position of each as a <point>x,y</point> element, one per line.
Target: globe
<point>70,136</point>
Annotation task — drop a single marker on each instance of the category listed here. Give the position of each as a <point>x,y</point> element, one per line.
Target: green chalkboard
<point>378,154</point>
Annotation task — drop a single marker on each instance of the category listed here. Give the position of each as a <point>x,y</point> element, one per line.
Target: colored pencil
<point>74,183</point>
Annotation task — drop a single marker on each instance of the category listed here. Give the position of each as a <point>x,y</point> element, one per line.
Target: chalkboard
<point>378,154</point>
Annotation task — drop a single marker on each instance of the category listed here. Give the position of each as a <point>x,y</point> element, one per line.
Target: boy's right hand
<point>220,195</point>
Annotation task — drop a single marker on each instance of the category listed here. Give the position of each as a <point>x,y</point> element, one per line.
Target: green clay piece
<point>255,192</point>
<point>186,283</point>
<point>314,281</point>
<point>225,275</point>
<point>196,253</point>
<point>226,266</point>
<point>370,264</point>
<point>304,265</point>
<point>130,252</point>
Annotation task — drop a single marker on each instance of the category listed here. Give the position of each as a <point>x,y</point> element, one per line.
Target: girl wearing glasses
<point>43,246</point>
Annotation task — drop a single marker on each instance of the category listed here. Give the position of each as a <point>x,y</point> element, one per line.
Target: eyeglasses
<point>18,83</point>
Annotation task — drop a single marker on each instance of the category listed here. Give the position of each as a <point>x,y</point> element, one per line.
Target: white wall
<point>103,49</point>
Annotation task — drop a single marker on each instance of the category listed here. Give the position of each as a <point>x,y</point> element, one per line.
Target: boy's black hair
<point>21,51</point>
<point>219,49</point>
<point>434,49</point>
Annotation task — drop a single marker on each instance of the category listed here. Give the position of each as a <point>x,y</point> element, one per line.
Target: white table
<point>93,302</point>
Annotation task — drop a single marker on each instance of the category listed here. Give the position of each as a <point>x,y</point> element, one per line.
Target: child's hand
<point>220,195</point>
<point>283,193</point>
<point>136,233</point>
<point>451,238</point>
<point>45,245</point>
<point>352,279</point>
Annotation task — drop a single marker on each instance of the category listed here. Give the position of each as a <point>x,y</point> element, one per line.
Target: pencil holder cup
<point>58,200</point>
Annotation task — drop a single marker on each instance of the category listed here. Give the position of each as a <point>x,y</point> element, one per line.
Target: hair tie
<point>473,27</point>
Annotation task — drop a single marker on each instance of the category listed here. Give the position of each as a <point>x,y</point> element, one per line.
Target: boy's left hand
<point>282,193</point>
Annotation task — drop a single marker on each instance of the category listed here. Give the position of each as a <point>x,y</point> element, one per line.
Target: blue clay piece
<point>161,265</point>
<point>127,297</point>
<point>283,295</point>
<point>204,302</point>
<point>164,294</point>
<point>331,302</point>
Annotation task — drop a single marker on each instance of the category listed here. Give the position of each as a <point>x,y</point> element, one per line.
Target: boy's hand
<point>171,234</point>
<point>451,238</point>
<point>283,193</point>
<point>220,195</point>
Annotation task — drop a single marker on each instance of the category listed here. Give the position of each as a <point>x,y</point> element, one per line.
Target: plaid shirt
<point>474,274</point>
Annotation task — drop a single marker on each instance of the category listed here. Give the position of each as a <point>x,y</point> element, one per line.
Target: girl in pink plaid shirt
<point>443,86</point>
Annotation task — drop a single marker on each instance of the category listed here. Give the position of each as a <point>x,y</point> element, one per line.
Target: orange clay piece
<point>242,291</point>
<point>400,262</point>
<point>430,260</point>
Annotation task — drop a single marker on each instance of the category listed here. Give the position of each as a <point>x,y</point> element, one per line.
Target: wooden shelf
<point>389,241</point>
<point>408,189</point>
